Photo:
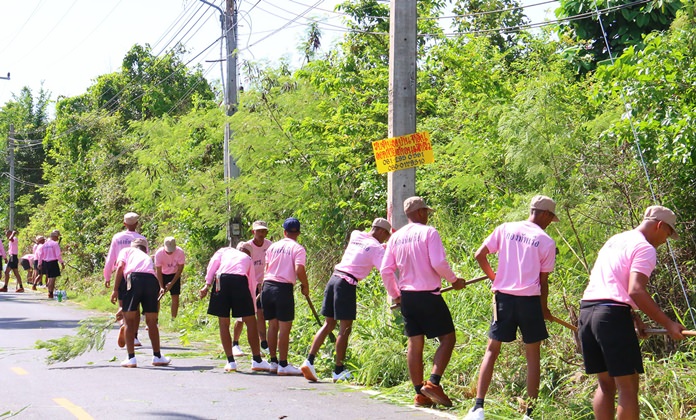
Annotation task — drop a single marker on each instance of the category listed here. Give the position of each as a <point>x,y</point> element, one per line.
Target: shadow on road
<point>26,324</point>
<point>172,415</point>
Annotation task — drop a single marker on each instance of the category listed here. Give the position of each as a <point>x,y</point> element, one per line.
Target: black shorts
<point>278,301</point>
<point>13,262</point>
<point>233,297</point>
<point>51,269</point>
<point>518,311</point>
<point>25,264</point>
<point>426,314</point>
<point>257,298</point>
<point>143,292</point>
<point>176,288</point>
<point>122,288</point>
<point>608,338</point>
<point>339,299</point>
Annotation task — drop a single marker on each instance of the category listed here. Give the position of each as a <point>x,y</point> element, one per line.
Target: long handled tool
<point>332,337</point>
<point>448,288</point>
<point>661,331</point>
<point>564,323</point>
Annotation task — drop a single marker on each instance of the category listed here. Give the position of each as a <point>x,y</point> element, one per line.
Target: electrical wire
<point>38,6</point>
<point>48,33</point>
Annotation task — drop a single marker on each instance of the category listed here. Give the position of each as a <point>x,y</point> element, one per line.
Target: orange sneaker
<point>435,393</point>
<point>422,401</point>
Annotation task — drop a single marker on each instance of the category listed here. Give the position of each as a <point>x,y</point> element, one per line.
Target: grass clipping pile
<point>91,334</point>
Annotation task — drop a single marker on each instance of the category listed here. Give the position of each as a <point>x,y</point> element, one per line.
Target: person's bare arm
<point>637,283</point>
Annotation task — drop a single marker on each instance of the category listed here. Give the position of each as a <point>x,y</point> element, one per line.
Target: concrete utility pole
<point>402,100</point>
<point>228,18</point>
<point>234,231</point>
<point>10,149</point>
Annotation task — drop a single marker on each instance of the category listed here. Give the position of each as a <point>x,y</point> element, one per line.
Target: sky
<point>67,44</point>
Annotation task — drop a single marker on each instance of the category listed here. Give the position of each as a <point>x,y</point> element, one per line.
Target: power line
<point>38,6</point>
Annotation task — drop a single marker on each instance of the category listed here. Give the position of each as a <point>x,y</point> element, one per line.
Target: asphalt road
<point>95,386</point>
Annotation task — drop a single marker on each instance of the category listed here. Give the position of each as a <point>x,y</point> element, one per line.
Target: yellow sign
<point>403,152</point>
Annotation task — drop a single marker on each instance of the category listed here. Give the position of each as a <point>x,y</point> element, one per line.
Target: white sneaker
<point>526,417</point>
<point>308,371</point>
<point>136,342</point>
<point>129,363</point>
<point>237,351</point>
<point>161,361</point>
<point>343,376</point>
<point>289,370</point>
<point>475,414</point>
<point>274,367</point>
<point>231,367</point>
<point>265,351</point>
<point>262,366</point>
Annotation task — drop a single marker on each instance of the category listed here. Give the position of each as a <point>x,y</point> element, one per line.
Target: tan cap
<point>244,246</point>
<point>382,223</point>
<point>414,203</point>
<point>542,202</point>
<point>130,218</point>
<point>259,225</point>
<point>138,242</point>
<point>662,214</point>
<point>55,233</point>
<point>169,244</point>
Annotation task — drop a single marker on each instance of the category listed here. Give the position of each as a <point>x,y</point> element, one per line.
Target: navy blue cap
<point>291,225</point>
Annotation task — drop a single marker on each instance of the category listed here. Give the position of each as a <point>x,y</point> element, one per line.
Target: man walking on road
<point>36,250</point>
<point>259,245</point>
<point>49,257</point>
<point>417,253</point>
<point>119,242</point>
<point>13,261</point>
<point>169,263</point>
<point>364,252</point>
<point>526,256</point>
<point>285,264</point>
<point>617,287</point>
<point>231,271</point>
<point>143,287</point>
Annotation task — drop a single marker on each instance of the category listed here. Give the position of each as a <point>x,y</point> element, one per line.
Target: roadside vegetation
<point>510,117</point>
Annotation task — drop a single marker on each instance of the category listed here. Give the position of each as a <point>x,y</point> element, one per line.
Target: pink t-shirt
<point>169,262</point>
<point>258,255</point>
<point>50,251</point>
<point>622,255</point>
<point>135,260</point>
<point>416,251</point>
<point>2,250</point>
<point>29,257</point>
<point>362,254</point>
<point>13,246</point>
<point>524,250</point>
<point>37,251</point>
<point>281,259</point>
<point>231,261</point>
<point>120,241</point>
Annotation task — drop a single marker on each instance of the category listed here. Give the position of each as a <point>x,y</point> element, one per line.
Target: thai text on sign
<point>403,152</point>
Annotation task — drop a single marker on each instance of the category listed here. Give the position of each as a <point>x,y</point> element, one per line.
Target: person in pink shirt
<point>285,264</point>
<point>12,261</point>
<point>49,258</point>
<point>4,257</point>
<point>169,263</point>
<point>417,253</point>
<point>120,241</point>
<point>232,272</point>
<point>143,287</point>
<point>36,250</point>
<point>259,244</point>
<point>364,252</point>
<point>608,323</point>
<point>526,256</point>
<point>27,263</point>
